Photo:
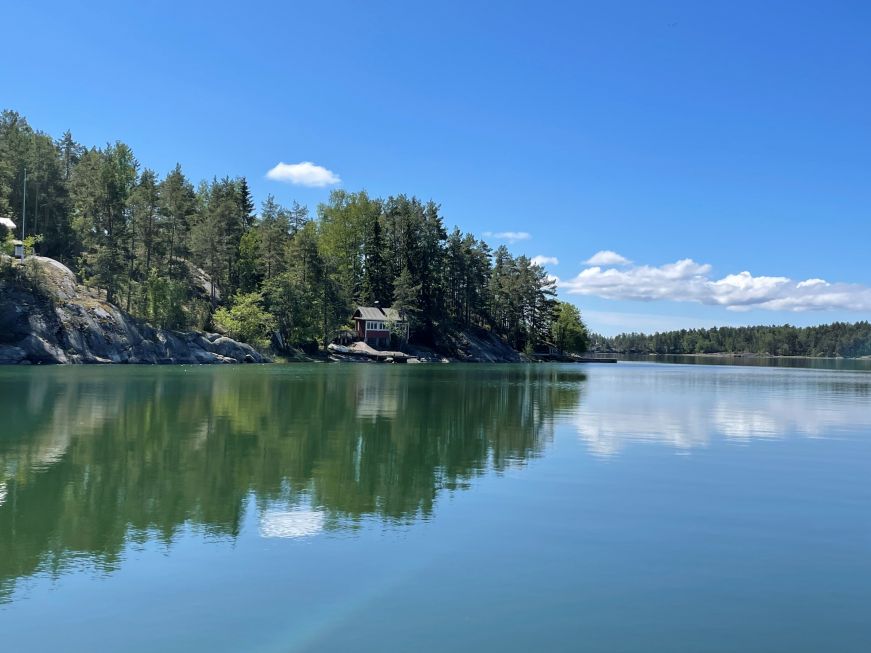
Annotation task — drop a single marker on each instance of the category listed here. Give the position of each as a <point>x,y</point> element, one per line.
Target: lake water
<point>630,507</point>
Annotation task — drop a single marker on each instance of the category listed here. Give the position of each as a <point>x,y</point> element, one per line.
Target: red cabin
<point>374,325</point>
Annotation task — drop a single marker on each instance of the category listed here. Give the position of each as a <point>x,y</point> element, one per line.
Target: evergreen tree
<point>212,235</point>
<point>833,340</point>
<point>343,222</point>
<point>293,295</point>
<point>145,233</point>
<point>100,189</point>
<point>70,153</point>
<point>376,285</point>
<point>274,236</point>
<point>15,138</point>
<point>249,261</point>
<point>246,204</point>
<point>163,247</point>
<point>406,298</point>
<point>569,332</point>
<point>177,208</point>
<point>298,217</point>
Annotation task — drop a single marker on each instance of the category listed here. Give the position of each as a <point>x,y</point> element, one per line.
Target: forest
<point>833,340</point>
<point>200,256</point>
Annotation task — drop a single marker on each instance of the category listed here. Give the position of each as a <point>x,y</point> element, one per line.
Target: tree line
<point>839,339</point>
<point>181,255</point>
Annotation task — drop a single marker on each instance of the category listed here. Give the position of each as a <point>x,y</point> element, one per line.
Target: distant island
<point>837,340</point>
<point>176,257</point>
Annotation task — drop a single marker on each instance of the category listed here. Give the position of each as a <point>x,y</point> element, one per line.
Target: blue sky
<point>737,135</point>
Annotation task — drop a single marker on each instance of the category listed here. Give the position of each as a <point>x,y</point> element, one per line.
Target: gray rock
<point>62,322</point>
<point>38,350</point>
<point>10,355</point>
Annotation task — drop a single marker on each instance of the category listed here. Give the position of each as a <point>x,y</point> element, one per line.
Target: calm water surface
<point>630,507</point>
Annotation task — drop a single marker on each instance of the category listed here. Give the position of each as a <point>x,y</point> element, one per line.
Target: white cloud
<point>305,173</point>
<point>607,257</point>
<point>688,281</point>
<point>545,260</point>
<point>510,236</point>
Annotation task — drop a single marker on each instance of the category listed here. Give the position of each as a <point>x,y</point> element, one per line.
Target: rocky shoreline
<point>46,317</point>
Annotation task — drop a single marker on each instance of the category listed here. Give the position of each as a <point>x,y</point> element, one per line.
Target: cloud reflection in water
<point>687,410</point>
<point>291,523</point>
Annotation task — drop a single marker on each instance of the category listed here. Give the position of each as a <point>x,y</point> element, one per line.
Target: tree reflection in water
<point>93,459</point>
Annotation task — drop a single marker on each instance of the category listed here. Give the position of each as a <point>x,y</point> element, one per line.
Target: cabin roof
<point>377,313</point>
<point>6,222</point>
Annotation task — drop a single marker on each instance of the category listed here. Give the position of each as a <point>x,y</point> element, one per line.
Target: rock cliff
<point>47,317</point>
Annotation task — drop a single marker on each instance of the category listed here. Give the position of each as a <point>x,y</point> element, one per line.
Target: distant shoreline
<point>753,356</point>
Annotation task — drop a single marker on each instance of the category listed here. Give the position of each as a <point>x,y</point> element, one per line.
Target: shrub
<point>246,320</point>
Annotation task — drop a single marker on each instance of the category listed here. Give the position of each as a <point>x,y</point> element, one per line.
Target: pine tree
<point>298,217</point>
<point>212,236</point>
<point>177,208</point>
<point>101,189</point>
<point>246,204</point>
<point>144,232</point>
<point>249,261</point>
<point>376,285</point>
<point>70,153</point>
<point>274,235</point>
<point>406,299</point>
<point>343,223</point>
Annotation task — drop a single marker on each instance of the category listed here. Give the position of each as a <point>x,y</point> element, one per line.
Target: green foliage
<point>7,268</point>
<point>292,304</point>
<point>47,193</point>
<point>273,236</point>
<point>100,188</point>
<point>569,332</point>
<point>30,243</point>
<point>173,254</point>
<point>216,234</point>
<point>343,230</point>
<point>246,320</point>
<point>164,302</point>
<point>249,276</point>
<point>467,278</point>
<point>305,298</point>
<point>521,299</point>
<point>246,203</point>
<point>29,276</point>
<point>376,283</point>
<point>177,202</point>
<point>833,340</point>
<point>406,297</point>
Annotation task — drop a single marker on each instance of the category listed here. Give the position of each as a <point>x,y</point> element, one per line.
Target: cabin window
<point>376,325</point>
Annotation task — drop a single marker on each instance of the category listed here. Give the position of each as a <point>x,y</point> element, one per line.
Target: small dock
<point>364,350</point>
<point>572,358</point>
